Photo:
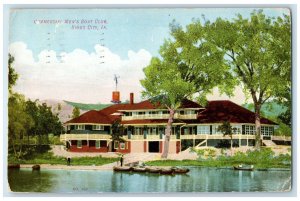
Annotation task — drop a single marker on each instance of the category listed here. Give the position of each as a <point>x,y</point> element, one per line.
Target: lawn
<point>260,159</point>
<point>48,158</point>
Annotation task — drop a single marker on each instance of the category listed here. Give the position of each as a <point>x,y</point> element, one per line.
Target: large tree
<point>19,123</point>
<point>45,121</point>
<point>183,71</point>
<point>258,50</point>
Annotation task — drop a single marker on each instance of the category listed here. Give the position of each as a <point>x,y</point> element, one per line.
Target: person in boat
<point>121,160</point>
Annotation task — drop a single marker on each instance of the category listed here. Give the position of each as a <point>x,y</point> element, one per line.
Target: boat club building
<point>144,127</point>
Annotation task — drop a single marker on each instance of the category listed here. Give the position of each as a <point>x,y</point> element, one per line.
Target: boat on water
<point>122,168</point>
<point>153,170</point>
<point>167,171</point>
<point>244,167</point>
<point>181,170</point>
<point>139,169</point>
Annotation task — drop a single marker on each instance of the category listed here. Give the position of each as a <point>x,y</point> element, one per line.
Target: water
<point>197,180</point>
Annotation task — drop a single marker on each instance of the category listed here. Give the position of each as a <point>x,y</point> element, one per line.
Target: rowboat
<point>153,170</point>
<point>11,166</point>
<point>139,169</point>
<point>181,170</point>
<point>244,167</point>
<point>36,167</point>
<point>168,171</point>
<point>122,168</point>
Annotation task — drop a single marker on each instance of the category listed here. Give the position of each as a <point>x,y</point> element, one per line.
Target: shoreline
<point>71,167</point>
<point>110,167</point>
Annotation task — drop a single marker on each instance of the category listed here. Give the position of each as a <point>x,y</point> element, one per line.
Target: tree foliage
<point>75,112</point>
<point>118,131</point>
<point>258,50</point>
<point>12,75</point>
<point>27,118</point>
<point>188,68</point>
<point>19,122</point>
<point>227,129</point>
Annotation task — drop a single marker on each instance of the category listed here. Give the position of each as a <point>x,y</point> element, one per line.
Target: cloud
<point>78,75</point>
<point>85,77</point>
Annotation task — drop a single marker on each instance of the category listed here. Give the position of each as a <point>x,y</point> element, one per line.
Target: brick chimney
<point>131,98</point>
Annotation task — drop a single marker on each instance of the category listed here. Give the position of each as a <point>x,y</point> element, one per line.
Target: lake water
<point>197,180</point>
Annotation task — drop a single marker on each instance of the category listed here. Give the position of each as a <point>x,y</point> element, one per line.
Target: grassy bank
<point>260,159</point>
<point>48,158</point>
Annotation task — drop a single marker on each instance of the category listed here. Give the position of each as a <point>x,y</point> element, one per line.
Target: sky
<point>73,54</point>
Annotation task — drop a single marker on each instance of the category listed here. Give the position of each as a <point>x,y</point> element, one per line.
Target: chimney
<point>131,98</point>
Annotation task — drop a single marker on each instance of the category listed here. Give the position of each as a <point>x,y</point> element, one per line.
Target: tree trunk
<point>168,134</point>
<point>231,150</point>
<point>257,126</point>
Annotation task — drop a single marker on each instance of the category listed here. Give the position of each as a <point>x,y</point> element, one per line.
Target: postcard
<point>149,100</point>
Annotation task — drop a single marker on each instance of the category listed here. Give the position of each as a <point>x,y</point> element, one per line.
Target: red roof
<point>215,112</point>
<point>220,111</point>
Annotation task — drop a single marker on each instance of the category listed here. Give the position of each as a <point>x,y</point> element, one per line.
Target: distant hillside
<point>269,109</point>
<point>86,107</point>
<point>65,111</point>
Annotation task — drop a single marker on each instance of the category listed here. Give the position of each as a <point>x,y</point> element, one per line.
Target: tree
<point>117,131</point>
<point>12,75</point>
<point>185,71</point>
<point>227,129</point>
<point>19,122</point>
<point>75,112</point>
<point>45,121</point>
<point>258,51</point>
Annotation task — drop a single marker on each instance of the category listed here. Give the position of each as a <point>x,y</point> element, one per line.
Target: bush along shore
<point>48,158</point>
<point>262,160</point>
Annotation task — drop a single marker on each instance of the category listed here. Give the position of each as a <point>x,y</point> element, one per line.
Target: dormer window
<point>98,127</point>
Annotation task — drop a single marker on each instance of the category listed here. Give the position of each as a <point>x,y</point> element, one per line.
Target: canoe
<point>11,166</point>
<point>139,169</point>
<point>181,170</point>
<point>168,171</point>
<point>243,167</point>
<point>122,168</point>
<point>152,170</point>
<point>36,167</point>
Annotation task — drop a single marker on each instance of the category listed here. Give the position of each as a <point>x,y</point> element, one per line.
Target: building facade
<point>144,127</point>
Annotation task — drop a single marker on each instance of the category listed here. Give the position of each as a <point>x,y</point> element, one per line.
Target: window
<point>266,130</point>
<point>103,143</point>
<point>236,129</point>
<point>97,144</point>
<point>249,130</point>
<point>116,145</point>
<point>161,130</point>
<point>152,131</point>
<point>138,131</point>
<point>122,145</point>
<point>203,130</point>
<point>141,113</point>
<point>79,144</point>
<point>98,127</point>
<point>79,127</point>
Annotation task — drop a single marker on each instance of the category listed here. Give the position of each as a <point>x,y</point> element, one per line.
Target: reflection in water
<point>197,180</point>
